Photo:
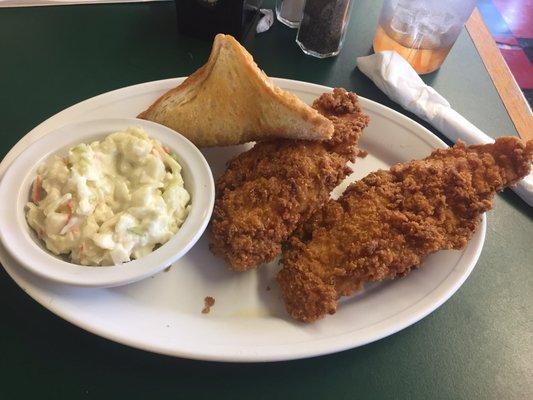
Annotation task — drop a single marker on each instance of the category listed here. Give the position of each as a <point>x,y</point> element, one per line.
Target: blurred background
<point>510,23</point>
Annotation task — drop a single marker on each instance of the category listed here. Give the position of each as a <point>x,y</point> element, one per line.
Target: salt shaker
<point>323,27</point>
<point>289,12</point>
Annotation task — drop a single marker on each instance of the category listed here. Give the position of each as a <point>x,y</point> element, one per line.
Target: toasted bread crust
<point>269,111</point>
<point>196,78</point>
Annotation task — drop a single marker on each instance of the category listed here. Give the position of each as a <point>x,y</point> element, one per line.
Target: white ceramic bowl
<point>20,240</point>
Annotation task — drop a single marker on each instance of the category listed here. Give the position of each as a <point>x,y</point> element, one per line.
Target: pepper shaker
<point>289,12</point>
<point>323,27</point>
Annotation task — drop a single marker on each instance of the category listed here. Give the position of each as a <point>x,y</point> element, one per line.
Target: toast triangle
<point>230,100</point>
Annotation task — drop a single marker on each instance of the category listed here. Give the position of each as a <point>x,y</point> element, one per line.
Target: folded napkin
<point>400,82</point>
<point>265,21</point>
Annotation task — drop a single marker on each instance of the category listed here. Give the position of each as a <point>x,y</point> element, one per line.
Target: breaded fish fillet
<point>269,190</point>
<point>385,224</point>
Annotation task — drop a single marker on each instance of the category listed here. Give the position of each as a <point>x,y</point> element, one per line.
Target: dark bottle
<point>323,27</point>
<point>206,18</point>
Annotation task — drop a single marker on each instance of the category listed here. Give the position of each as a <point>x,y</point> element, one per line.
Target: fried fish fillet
<point>385,224</point>
<point>269,190</point>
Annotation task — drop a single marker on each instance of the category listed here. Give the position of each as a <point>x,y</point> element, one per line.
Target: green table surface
<point>478,345</point>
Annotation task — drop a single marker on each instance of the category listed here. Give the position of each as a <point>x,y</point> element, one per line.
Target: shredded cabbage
<point>109,201</point>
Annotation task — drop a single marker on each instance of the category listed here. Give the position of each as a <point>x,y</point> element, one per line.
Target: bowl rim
<point>16,235</point>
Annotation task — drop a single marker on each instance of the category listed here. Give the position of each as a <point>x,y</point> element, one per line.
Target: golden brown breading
<point>267,191</point>
<point>385,224</point>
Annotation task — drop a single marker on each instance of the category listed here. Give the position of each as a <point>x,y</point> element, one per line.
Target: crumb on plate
<point>208,303</point>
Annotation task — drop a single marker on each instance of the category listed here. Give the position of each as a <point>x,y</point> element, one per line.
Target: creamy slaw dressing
<point>109,201</point>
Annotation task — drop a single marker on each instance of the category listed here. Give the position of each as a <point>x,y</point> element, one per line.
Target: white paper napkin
<point>266,20</point>
<point>400,82</point>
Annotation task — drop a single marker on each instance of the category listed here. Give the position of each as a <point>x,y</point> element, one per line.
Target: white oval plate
<point>248,322</point>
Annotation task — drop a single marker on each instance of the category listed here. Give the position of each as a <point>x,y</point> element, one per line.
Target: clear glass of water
<point>421,31</point>
<point>289,12</point>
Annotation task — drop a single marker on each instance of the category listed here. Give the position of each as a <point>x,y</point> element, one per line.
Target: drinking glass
<point>289,12</point>
<point>421,31</point>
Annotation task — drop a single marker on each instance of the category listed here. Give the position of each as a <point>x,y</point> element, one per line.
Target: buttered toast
<point>230,101</point>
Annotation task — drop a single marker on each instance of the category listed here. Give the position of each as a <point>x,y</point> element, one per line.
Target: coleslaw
<point>109,201</point>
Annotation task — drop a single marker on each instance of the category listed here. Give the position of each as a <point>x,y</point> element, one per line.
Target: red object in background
<point>519,65</point>
<point>518,15</point>
<point>511,24</point>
